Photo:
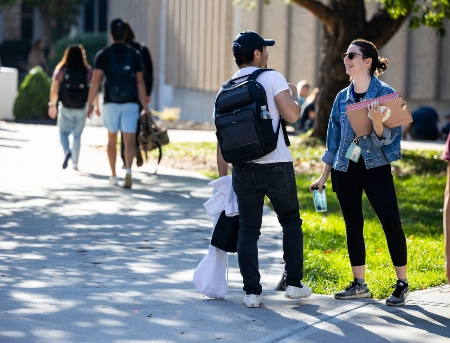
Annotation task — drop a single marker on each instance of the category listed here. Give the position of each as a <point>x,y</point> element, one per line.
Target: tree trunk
<point>332,79</point>
<point>348,23</point>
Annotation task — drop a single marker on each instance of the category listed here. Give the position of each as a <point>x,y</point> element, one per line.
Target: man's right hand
<point>52,111</point>
<point>147,112</point>
<point>89,109</point>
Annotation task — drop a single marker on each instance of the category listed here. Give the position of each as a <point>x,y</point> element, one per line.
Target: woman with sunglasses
<point>360,164</point>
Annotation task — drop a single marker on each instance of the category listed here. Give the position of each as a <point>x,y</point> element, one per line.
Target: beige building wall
<point>423,52</point>
<point>396,51</point>
<point>303,46</point>
<point>197,32</point>
<point>444,66</point>
<point>190,42</point>
<point>274,25</point>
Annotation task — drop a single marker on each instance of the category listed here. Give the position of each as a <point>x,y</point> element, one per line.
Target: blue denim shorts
<point>123,117</point>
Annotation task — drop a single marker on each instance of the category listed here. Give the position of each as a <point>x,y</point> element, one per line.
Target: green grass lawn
<point>420,183</point>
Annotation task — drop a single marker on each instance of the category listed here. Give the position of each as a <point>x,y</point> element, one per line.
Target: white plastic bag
<point>210,274</point>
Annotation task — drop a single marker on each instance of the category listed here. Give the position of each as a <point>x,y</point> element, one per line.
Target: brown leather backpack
<point>151,137</point>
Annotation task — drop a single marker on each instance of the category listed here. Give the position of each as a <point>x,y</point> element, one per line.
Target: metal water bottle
<point>264,112</point>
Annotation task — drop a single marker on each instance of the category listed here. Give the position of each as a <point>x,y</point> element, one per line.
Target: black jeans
<point>378,185</point>
<point>251,183</point>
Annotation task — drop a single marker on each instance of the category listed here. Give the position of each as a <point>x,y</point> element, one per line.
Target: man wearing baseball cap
<point>271,175</point>
<point>124,92</point>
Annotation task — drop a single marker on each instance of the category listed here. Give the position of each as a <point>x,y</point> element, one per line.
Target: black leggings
<point>378,185</point>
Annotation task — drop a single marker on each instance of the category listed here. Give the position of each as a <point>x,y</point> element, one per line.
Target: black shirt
<point>359,96</point>
<point>101,62</point>
<point>147,63</point>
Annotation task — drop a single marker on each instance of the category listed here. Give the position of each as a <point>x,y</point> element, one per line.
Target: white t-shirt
<point>273,83</point>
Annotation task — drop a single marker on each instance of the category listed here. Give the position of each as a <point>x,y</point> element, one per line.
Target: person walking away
<point>271,175</point>
<point>446,157</point>
<point>124,92</point>
<point>68,96</point>
<point>148,79</point>
<point>368,170</point>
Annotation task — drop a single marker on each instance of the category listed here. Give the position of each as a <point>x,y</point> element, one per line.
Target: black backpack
<point>121,77</point>
<point>74,89</point>
<point>241,132</point>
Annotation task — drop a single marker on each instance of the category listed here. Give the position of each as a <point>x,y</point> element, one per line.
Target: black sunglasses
<point>350,55</point>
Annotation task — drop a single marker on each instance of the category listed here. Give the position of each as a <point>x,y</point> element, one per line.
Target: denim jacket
<point>375,151</point>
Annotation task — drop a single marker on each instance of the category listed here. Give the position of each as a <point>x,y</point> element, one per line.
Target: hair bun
<point>381,65</point>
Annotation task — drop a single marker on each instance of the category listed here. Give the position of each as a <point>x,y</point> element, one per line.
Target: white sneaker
<point>293,292</point>
<point>252,300</point>
<point>114,180</point>
<point>128,181</point>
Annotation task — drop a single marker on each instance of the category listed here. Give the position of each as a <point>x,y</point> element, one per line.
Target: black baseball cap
<point>117,24</point>
<point>247,41</point>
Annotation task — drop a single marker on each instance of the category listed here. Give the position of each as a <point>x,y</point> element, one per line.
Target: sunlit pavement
<point>83,261</point>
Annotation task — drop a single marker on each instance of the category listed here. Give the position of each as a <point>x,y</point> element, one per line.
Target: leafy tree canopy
<point>68,9</point>
<point>57,15</point>
<point>430,13</point>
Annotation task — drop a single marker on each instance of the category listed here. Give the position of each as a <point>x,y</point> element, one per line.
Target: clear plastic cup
<point>320,199</point>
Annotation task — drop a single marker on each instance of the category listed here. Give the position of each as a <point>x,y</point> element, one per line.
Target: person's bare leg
<point>401,272</point>
<point>447,223</point>
<point>130,148</point>
<point>112,151</point>
<point>359,272</point>
<point>130,151</point>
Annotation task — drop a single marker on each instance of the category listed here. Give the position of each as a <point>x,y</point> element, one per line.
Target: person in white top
<point>272,175</point>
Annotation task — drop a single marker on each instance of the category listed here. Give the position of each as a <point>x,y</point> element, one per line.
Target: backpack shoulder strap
<point>252,76</point>
<point>256,73</point>
<point>285,135</point>
<point>227,83</point>
<point>282,122</point>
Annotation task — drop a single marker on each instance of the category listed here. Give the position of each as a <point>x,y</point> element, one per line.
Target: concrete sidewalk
<point>83,261</point>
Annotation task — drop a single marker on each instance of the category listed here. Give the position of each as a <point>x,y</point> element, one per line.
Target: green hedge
<point>92,43</point>
<point>32,99</point>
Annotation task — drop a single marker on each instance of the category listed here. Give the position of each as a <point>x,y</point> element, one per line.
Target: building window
<point>95,16</point>
<point>27,22</point>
